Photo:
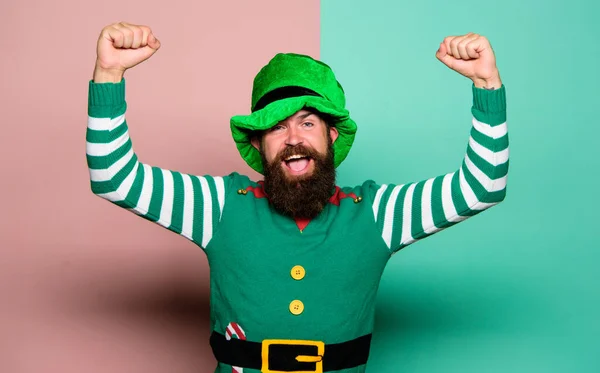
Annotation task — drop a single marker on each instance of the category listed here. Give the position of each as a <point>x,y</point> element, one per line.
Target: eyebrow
<point>304,116</point>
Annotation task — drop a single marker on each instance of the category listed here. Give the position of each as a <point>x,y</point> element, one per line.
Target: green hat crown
<point>288,83</point>
<point>297,70</point>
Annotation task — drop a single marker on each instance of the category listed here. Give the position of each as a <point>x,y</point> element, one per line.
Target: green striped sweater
<point>193,205</point>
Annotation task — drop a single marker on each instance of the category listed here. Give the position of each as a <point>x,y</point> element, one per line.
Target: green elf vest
<point>282,279</point>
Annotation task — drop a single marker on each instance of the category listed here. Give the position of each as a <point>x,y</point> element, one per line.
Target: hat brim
<point>243,126</point>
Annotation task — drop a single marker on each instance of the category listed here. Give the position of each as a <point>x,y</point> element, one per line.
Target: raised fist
<point>122,46</point>
<point>472,56</point>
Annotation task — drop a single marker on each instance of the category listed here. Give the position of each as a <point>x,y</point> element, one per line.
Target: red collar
<point>335,199</point>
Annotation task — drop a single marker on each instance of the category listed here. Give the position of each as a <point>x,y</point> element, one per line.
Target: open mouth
<point>297,164</point>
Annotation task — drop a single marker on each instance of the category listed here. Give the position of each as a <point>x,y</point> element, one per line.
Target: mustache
<point>298,149</point>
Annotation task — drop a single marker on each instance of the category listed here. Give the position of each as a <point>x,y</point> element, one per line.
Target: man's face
<point>284,143</point>
<point>298,164</point>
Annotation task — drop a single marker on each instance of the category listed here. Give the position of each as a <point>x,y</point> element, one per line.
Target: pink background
<point>86,286</point>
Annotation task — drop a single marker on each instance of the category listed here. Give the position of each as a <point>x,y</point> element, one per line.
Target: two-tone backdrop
<point>87,287</point>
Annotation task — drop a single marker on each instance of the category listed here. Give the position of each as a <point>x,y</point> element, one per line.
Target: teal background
<point>515,289</point>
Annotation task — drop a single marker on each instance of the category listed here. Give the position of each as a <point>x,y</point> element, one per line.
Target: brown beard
<point>303,196</point>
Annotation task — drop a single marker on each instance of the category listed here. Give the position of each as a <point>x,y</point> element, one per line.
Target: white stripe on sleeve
<point>143,204</point>
<point>426,211</point>
<point>220,186</point>
<point>388,223</point>
<point>108,173</point>
<point>447,203</point>
<point>121,193</point>
<point>468,194</point>
<point>494,158</point>
<point>407,216</point>
<point>494,132</point>
<point>105,124</point>
<point>166,209</point>
<point>207,213</point>
<point>103,149</point>
<point>489,184</point>
<point>377,200</point>
<point>188,207</point>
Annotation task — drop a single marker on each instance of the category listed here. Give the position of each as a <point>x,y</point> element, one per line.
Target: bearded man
<point>295,261</point>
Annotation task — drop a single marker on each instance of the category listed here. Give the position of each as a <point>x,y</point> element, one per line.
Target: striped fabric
<point>185,204</point>
<point>409,212</point>
<point>192,206</point>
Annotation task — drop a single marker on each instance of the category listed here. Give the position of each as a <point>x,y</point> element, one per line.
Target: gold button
<point>298,272</point>
<point>357,199</point>
<point>296,307</point>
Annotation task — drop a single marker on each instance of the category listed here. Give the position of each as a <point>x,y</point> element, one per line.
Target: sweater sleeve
<point>185,204</point>
<point>410,212</point>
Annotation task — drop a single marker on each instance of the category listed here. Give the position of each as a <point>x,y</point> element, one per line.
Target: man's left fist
<point>472,56</point>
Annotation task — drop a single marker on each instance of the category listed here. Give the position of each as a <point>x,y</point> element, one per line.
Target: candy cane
<point>234,330</point>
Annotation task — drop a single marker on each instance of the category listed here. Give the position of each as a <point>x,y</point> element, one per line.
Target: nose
<point>293,136</point>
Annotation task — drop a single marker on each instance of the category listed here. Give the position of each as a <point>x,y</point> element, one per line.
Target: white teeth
<point>296,156</point>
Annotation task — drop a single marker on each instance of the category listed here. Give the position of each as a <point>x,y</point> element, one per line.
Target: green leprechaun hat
<point>286,85</point>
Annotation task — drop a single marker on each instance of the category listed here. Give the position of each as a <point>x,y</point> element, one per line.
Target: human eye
<point>308,124</point>
<point>276,128</point>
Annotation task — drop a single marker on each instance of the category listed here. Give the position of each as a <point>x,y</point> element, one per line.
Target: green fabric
<point>489,106</point>
<point>106,100</point>
<point>289,69</point>
<point>341,250</point>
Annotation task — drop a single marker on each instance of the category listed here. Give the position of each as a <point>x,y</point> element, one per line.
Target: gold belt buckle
<point>318,359</point>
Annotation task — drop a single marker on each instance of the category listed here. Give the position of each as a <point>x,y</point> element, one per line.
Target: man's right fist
<point>122,46</point>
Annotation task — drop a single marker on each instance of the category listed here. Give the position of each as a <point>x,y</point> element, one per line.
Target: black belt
<point>291,355</point>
